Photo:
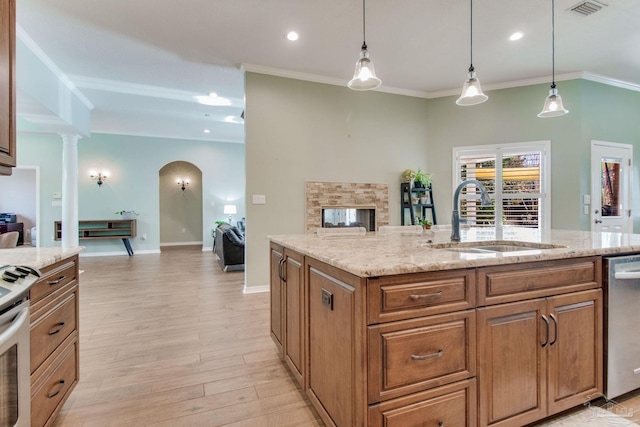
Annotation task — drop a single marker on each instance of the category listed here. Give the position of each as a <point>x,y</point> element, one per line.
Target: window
<point>516,175</point>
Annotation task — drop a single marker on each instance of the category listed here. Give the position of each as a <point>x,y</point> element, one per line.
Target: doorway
<point>180,196</point>
<point>611,167</point>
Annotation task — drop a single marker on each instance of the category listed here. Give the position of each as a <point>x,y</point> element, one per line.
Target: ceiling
<point>142,62</point>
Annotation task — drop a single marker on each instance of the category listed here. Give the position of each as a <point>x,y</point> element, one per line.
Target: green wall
<point>613,114</point>
<point>597,111</point>
<point>298,131</point>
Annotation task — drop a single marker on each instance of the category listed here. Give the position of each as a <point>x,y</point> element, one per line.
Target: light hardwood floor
<point>171,340</point>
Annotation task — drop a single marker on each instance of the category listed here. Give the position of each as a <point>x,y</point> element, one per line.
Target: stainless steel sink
<point>496,246</point>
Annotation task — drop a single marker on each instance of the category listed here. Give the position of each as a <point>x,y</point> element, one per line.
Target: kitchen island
<point>53,327</point>
<point>404,329</point>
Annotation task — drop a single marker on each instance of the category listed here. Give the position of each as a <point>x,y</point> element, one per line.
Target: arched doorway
<point>180,204</point>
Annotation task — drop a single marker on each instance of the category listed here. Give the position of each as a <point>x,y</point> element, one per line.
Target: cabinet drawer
<point>413,355</point>
<point>54,277</point>
<point>51,384</point>
<point>408,296</point>
<point>51,328</point>
<point>451,405</point>
<point>516,282</point>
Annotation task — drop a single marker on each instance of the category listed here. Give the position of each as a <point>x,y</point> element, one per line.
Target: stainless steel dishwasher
<point>622,323</point>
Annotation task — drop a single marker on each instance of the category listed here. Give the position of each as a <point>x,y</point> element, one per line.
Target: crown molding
<point>164,136</point>
<point>443,93</point>
<point>48,62</point>
<point>278,72</point>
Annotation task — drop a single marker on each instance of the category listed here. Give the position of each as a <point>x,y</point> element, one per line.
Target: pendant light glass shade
<point>364,77</point>
<point>553,106</point>
<point>471,91</point>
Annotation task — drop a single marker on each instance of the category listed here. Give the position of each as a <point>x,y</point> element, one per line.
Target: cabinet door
<point>7,86</point>
<point>276,286</point>
<point>512,363</point>
<point>332,346</point>
<point>294,313</point>
<point>575,349</point>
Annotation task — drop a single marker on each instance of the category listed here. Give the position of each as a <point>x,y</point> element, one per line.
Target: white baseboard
<point>123,253</point>
<point>181,243</point>
<point>255,289</point>
<point>207,248</point>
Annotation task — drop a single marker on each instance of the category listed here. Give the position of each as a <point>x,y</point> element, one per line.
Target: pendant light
<point>364,77</point>
<point>471,90</point>
<point>553,104</point>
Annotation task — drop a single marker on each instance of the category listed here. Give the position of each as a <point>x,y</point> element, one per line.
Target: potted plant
<point>127,214</point>
<point>422,180</point>
<point>424,222</point>
<point>409,176</point>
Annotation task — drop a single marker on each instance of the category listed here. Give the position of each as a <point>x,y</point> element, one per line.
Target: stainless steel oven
<point>15,396</point>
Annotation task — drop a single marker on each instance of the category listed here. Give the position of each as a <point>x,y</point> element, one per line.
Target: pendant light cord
<point>364,33</point>
<point>471,69</point>
<point>553,44</point>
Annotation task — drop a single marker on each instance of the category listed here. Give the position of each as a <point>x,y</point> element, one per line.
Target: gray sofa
<point>228,244</point>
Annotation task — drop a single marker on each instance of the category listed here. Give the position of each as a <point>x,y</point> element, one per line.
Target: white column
<point>69,190</point>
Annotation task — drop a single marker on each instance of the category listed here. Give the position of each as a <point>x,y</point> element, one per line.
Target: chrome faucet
<point>485,199</point>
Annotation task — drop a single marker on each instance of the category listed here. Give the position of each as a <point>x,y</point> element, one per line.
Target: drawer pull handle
<point>60,385</point>
<point>428,356</point>
<point>58,328</point>
<point>434,295</point>
<point>55,282</point>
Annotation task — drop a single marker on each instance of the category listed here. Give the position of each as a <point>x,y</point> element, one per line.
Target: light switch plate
<point>259,199</point>
<point>587,199</point>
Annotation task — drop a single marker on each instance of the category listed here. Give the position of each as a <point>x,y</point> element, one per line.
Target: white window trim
<point>514,148</point>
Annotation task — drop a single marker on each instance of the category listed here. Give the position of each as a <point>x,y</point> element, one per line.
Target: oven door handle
<point>18,322</point>
<point>627,275</point>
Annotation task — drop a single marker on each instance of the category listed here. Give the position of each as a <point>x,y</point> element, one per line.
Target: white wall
<point>298,131</point>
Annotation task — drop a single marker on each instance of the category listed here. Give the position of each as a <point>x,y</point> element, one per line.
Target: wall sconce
<point>99,176</point>
<point>230,210</point>
<point>183,183</point>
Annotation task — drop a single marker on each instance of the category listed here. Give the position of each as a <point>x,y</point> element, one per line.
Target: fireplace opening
<point>349,217</point>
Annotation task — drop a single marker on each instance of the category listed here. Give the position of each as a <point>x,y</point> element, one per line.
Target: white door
<point>611,187</point>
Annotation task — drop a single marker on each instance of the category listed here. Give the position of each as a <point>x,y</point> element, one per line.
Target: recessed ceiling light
<point>207,131</point>
<point>292,35</point>
<point>516,36</point>
<point>212,99</point>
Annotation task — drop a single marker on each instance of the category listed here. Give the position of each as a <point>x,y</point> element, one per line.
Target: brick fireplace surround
<point>321,195</point>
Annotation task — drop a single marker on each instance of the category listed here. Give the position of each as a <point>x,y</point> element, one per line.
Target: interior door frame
<point>595,214</point>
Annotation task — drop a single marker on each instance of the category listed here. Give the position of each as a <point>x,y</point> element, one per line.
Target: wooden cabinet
<point>503,345</point>
<point>288,308</point>
<point>335,343</point>
<point>54,339</point>
<point>538,357</point>
<point>7,86</point>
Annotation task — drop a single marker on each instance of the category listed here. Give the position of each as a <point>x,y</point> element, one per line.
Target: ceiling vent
<point>588,7</point>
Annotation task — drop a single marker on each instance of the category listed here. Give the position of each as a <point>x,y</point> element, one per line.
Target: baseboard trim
<point>123,253</point>
<point>255,289</point>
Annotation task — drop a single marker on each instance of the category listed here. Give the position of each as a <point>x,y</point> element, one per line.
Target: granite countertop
<point>378,254</point>
<point>36,257</point>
